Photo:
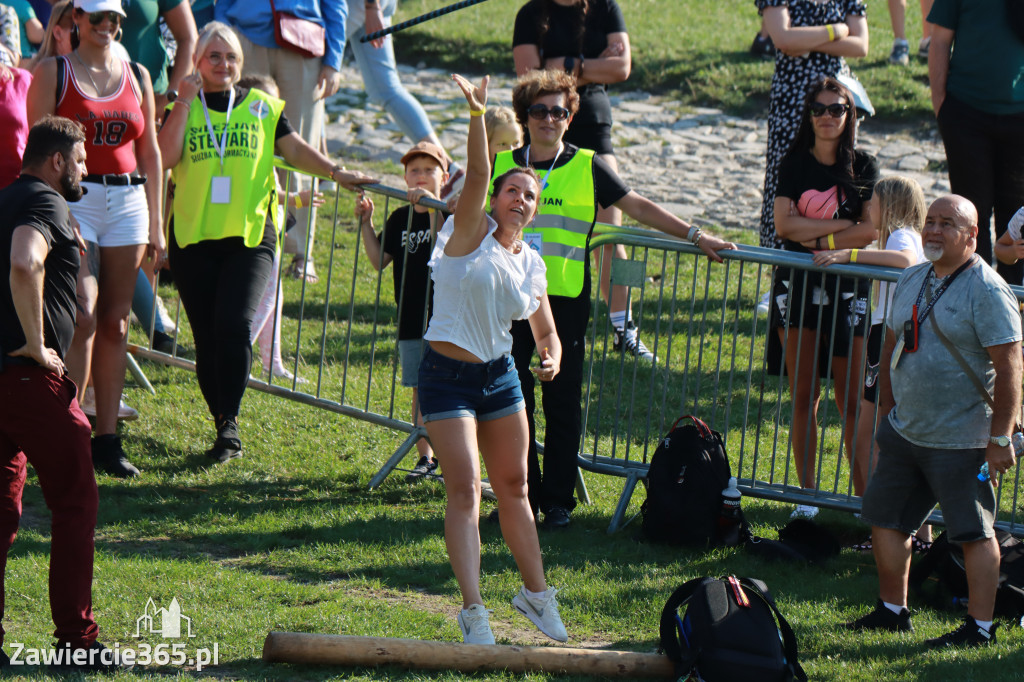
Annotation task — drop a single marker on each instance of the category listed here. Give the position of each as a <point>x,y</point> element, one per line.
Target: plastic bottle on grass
<point>730,516</point>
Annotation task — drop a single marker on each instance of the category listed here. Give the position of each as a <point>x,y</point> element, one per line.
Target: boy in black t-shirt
<point>407,240</point>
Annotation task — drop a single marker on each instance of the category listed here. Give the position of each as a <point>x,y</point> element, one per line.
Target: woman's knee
<point>112,326</point>
<point>463,496</point>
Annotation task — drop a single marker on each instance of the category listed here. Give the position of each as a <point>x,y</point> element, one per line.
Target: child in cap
<point>407,240</point>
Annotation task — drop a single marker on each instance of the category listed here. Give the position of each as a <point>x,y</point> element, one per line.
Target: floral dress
<point>793,76</point>
<point>10,36</point>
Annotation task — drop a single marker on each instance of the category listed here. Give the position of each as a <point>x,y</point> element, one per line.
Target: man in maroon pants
<point>40,420</point>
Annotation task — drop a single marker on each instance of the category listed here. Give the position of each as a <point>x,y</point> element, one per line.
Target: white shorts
<point>113,215</point>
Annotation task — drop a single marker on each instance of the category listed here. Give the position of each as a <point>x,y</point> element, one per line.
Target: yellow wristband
<point>476,113</point>
<point>298,201</point>
<point>853,255</point>
<point>831,241</point>
<point>831,32</point>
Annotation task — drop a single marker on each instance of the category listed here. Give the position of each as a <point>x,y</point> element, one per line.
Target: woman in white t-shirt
<point>484,278</point>
<point>897,207</point>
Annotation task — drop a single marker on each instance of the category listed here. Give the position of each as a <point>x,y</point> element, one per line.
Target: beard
<point>933,252</point>
<point>70,188</point>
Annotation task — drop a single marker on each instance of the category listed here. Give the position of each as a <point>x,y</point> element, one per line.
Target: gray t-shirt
<point>937,405</point>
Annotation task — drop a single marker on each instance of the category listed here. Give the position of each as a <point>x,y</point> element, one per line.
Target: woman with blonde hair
<point>219,141</point>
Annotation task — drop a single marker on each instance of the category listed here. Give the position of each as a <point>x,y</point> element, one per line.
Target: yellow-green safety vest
<point>564,220</point>
<point>248,161</point>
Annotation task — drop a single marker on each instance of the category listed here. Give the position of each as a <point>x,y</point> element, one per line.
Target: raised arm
<point>470,223</point>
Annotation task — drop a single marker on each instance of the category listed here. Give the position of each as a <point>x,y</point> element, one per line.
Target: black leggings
<point>220,283</point>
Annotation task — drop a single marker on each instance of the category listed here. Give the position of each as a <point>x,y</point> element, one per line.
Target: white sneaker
<point>165,318</point>
<point>124,412</point>
<point>543,611</point>
<point>475,625</point>
<point>804,511</point>
<point>764,305</point>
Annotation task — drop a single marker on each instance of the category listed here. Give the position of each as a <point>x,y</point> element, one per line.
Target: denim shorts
<point>484,391</point>
<point>410,355</point>
<point>910,479</point>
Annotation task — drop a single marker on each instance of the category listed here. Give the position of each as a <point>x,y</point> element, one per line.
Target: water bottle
<point>1017,439</point>
<point>729,518</point>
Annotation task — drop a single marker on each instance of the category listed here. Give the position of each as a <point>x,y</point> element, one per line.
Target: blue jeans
<point>142,303</point>
<point>380,79</point>
<point>452,389</point>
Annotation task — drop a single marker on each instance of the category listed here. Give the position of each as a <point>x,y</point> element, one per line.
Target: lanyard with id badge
<point>535,240</point>
<point>220,185</point>
<point>909,340</point>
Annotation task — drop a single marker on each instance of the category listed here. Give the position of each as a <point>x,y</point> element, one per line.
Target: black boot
<point>228,445</point>
<point>108,456</point>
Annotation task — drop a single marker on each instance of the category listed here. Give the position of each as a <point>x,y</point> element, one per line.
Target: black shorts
<point>838,313</point>
<point>594,136</point>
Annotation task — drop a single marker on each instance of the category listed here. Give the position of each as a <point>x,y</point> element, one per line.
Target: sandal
<point>862,547</point>
<point>300,268</point>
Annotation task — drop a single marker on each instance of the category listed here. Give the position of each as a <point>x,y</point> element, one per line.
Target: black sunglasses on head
<point>541,112</point>
<point>96,18</point>
<point>834,110</point>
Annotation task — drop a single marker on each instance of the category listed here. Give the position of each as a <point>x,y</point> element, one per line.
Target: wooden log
<point>296,647</point>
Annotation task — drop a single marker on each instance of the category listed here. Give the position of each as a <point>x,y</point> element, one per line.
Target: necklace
<point>88,73</point>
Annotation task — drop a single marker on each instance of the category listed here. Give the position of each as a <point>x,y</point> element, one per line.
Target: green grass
<point>289,538</point>
<point>694,50</point>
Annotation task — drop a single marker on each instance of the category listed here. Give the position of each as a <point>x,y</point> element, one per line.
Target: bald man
<point>941,430</point>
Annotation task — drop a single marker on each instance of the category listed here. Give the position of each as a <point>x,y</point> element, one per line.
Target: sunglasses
<point>541,112</point>
<point>96,18</point>
<point>818,109</point>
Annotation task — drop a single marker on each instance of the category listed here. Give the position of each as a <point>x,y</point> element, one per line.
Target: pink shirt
<point>13,124</point>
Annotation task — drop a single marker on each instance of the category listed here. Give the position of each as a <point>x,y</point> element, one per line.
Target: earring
<point>119,34</point>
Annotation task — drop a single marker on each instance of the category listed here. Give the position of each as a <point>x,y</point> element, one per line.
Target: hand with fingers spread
<point>475,95</point>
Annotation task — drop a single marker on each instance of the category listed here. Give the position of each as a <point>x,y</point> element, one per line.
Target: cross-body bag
<point>298,35</point>
<point>962,361</point>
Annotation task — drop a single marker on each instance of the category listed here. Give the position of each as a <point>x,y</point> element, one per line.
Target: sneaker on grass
<point>475,625</point>
<point>900,55</point>
<point>628,340</point>
<point>883,618</point>
<point>969,634</point>
<point>423,467</point>
<point>543,612</point>
<point>804,511</point>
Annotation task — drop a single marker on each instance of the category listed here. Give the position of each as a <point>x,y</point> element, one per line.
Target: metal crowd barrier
<point>700,320</point>
<point>698,317</point>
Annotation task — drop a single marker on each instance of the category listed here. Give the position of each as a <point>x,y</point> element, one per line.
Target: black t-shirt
<point>562,40</point>
<point>218,101</point>
<point>398,231</point>
<point>30,201</point>
<point>608,186</point>
<point>817,191</point>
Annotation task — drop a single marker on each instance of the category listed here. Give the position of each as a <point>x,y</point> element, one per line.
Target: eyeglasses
<point>541,112</point>
<point>96,18</point>
<point>216,58</point>
<point>837,110</point>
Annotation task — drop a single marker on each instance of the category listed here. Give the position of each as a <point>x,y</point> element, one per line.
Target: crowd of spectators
<point>125,71</point>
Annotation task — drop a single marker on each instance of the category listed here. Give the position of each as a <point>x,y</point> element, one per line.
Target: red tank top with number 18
<point>111,123</point>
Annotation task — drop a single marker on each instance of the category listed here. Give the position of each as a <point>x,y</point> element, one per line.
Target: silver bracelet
<point>697,236</point>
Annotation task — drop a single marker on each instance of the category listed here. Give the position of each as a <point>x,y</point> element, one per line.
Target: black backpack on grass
<point>731,632</point>
<point>685,480</point>
<point>945,560</point>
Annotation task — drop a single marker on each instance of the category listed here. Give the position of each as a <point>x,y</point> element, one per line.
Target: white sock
<point>986,625</point>
<point>900,41</point>
<point>894,608</point>
<point>535,595</point>
<point>620,319</point>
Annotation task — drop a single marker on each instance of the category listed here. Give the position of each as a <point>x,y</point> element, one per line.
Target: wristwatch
<point>1001,441</point>
<point>569,64</point>
<point>171,94</point>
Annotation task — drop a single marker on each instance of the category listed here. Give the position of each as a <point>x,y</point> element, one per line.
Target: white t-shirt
<point>477,296</point>
<point>902,239</point>
<point>1015,224</point>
